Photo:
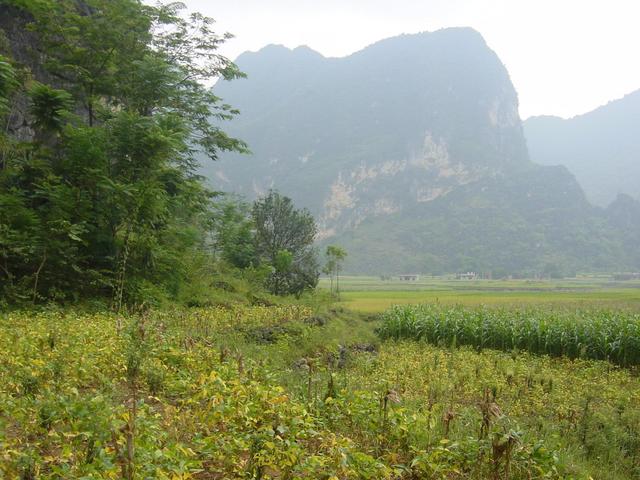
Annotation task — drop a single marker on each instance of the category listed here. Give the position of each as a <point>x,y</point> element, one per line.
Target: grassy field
<point>370,294</point>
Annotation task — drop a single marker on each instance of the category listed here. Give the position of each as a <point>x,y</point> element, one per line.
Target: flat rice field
<point>372,295</point>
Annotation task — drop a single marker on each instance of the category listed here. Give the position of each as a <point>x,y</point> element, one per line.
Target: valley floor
<point>370,294</point>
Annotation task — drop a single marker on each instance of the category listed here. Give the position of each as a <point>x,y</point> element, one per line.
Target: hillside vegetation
<point>103,109</point>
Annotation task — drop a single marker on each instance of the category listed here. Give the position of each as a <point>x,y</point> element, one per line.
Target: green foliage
<point>597,334</point>
<point>284,239</point>
<point>246,392</point>
<point>8,83</point>
<point>150,398</point>
<point>335,257</point>
<point>560,415</point>
<point>103,200</point>
<point>49,107</point>
<point>283,262</point>
<point>233,231</point>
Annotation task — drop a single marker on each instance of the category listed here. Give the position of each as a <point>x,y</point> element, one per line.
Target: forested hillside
<point>534,223</point>
<point>397,123</point>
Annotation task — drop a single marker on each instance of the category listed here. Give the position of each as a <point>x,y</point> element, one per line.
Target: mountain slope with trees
<point>601,148</point>
<point>396,123</point>
<point>535,223</point>
<point>411,154</point>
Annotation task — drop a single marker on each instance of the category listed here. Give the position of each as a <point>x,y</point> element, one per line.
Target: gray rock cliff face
<point>23,47</point>
<point>19,44</point>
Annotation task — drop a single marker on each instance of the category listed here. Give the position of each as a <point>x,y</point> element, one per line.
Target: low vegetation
<point>576,419</point>
<point>99,396</point>
<point>295,391</point>
<point>373,295</point>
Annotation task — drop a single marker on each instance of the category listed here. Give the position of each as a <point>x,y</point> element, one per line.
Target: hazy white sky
<point>565,57</point>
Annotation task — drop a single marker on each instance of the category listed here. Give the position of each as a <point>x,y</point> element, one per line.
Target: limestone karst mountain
<point>411,154</point>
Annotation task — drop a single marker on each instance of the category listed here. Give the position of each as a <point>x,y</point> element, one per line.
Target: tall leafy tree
<point>335,256</point>
<point>284,239</point>
<point>234,233</point>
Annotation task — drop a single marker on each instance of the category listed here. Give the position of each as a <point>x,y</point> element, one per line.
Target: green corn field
<point>594,334</point>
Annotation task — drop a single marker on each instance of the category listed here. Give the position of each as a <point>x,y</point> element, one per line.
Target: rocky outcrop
<point>22,45</point>
<point>19,44</point>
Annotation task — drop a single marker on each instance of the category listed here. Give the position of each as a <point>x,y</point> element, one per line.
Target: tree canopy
<point>284,239</point>
<point>335,256</point>
<point>98,187</point>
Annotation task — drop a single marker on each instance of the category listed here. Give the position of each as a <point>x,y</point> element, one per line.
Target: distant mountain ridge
<point>404,151</point>
<point>601,148</point>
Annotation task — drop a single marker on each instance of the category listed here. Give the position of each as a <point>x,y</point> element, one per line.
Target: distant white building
<point>467,276</point>
<point>408,278</point>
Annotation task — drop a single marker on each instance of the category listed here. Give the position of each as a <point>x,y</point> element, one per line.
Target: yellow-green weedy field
<point>286,392</point>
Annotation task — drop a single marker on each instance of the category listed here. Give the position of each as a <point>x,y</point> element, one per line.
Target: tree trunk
<point>37,276</point>
<point>119,294</point>
<point>5,269</point>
